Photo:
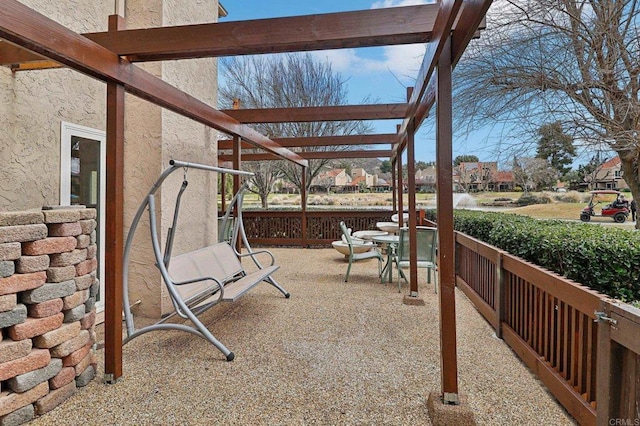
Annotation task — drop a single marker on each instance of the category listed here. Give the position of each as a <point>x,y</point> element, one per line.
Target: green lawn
<point>554,210</point>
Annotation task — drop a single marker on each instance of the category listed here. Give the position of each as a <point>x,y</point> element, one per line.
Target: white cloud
<point>396,3</point>
<point>403,61</point>
<point>342,60</point>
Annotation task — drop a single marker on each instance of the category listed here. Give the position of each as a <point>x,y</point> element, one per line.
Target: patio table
<point>368,235</point>
<point>391,242</point>
<point>390,227</point>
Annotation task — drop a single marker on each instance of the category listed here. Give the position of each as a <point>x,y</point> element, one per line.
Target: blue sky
<point>381,74</point>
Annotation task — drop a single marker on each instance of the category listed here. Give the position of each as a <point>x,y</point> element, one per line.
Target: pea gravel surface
<point>335,353</point>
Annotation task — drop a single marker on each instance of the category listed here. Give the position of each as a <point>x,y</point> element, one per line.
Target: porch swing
<point>198,280</point>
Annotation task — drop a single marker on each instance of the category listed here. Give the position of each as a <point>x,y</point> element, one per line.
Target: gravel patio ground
<point>335,353</point>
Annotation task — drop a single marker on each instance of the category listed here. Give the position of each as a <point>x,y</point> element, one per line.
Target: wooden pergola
<point>32,41</point>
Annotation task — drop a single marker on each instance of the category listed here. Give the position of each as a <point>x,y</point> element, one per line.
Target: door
<point>83,180</point>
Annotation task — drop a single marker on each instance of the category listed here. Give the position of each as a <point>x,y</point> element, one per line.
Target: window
<point>82,180</point>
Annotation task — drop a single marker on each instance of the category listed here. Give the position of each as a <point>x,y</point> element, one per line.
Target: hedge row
<point>603,258</point>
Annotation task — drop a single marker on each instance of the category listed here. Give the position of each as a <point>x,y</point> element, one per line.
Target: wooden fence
<point>582,345</point>
<point>322,227</point>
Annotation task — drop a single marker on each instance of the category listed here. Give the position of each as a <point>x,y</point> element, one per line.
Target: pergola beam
<point>447,14</point>
<point>470,18</point>
<point>25,27</point>
<point>315,141</point>
<point>314,155</point>
<point>365,28</point>
<point>320,113</point>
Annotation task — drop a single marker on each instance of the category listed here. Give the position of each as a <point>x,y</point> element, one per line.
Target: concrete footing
<point>447,414</point>
<point>413,301</point>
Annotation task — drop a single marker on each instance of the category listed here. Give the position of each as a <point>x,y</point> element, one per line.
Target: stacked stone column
<point>48,290</point>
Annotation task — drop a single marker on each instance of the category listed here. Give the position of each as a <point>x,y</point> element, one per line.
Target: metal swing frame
<point>182,308</point>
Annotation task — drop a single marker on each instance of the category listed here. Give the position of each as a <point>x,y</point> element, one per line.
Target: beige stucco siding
<point>186,140</point>
<point>33,103</point>
<point>175,137</point>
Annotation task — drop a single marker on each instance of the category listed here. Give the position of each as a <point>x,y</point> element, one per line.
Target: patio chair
<point>354,244</point>
<point>426,246</point>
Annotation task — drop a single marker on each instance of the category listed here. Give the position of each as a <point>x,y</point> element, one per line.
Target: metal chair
<point>356,243</point>
<point>426,238</point>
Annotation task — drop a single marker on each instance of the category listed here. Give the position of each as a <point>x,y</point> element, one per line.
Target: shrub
<point>545,198</point>
<point>526,200</point>
<point>569,197</point>
<point>605,259</point>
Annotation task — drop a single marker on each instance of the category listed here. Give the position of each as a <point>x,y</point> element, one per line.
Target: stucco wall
<point>33,103</point>
<point>186,140</point>
<point>155,136</point>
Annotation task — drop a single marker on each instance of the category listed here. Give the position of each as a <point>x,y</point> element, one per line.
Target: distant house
<point>367,178</point>
<point>456,181</point>
<point>381,186</point>
<point>426,179</point>
<point>609,176</point>
<point>357,182</point>
<point>332,180</point>
<point>502,181</point>
<point>282,186</point>
<point>476,176</point>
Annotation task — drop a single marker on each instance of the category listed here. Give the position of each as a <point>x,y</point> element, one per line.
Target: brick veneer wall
<point>48,289</point>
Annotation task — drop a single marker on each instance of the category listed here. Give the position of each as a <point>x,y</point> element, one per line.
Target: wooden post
<point>411,184</point>
<point>237,163</point>
<point>446,237</point>
<point>400,187</point>
<point>394,186</point>
<point>499,296</point>
<point>223,192</point>
<point>303,201</point>
<point>604,370</point>
<point>114,225</point>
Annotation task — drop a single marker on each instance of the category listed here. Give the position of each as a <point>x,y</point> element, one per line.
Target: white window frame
<point>67,131</point>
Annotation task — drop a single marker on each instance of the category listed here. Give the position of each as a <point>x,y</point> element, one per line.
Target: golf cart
<point>616,207</point>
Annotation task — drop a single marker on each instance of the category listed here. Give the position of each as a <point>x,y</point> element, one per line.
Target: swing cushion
<point>218,261</point>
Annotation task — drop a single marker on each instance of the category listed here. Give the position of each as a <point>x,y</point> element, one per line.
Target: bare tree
<point>533,173</point>
<point>576,62</point>
<point>465,178</point>
<point>291,80</point>
<point>265,176</point>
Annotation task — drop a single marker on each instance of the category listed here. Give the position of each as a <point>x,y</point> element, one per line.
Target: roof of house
<point>503,176</point>
<point>611,163</point>
<point>331,173</point>
<point>356,180</point>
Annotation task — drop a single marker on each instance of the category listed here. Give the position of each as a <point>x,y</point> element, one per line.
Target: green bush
<point>529,199</point>
<point>605,259</point>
